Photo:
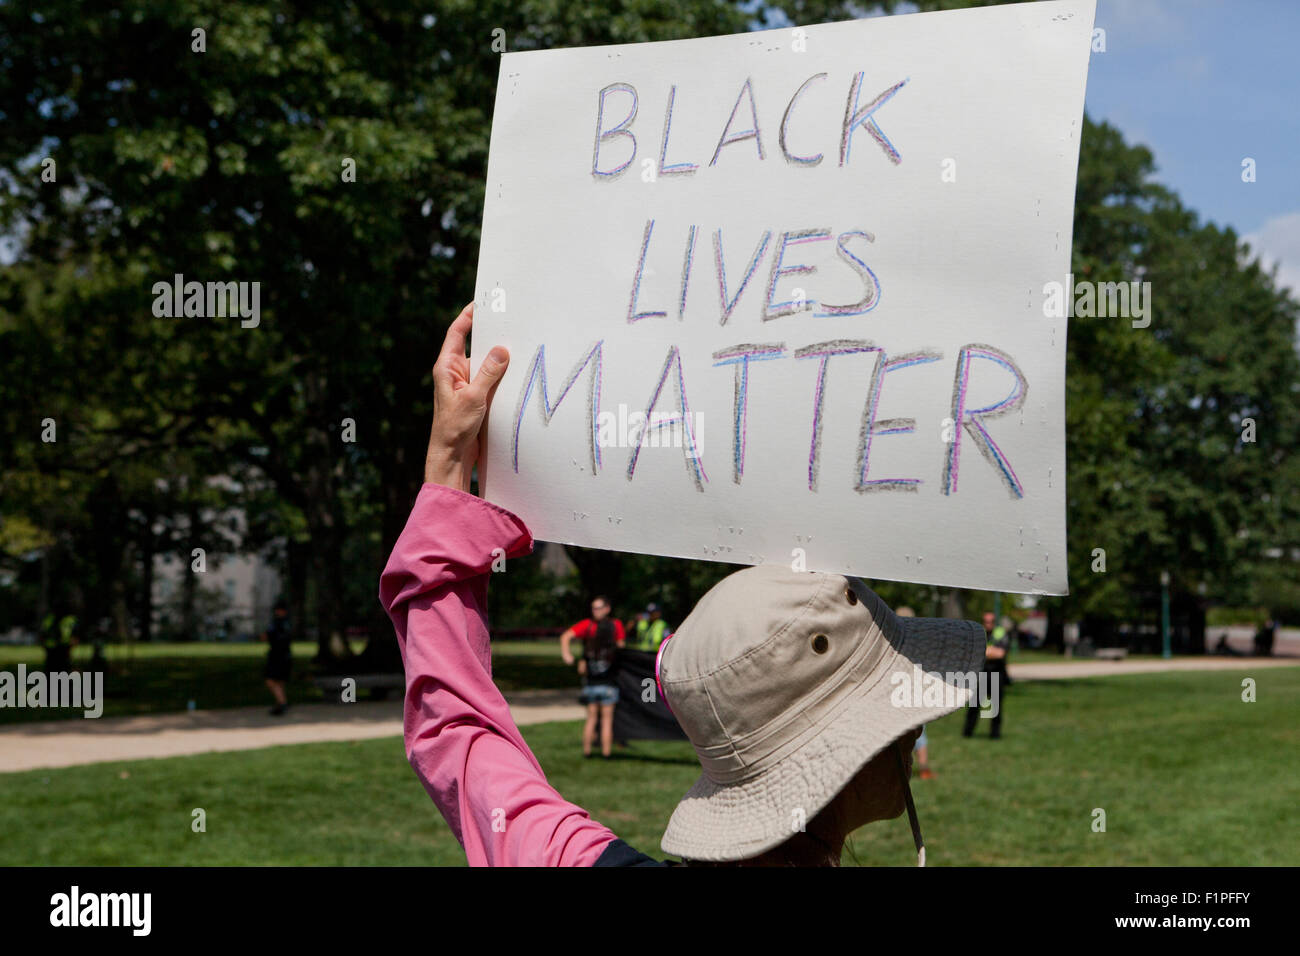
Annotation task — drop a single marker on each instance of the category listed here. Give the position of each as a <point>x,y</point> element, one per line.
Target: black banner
<point>1165,908</point>
<point>636,717</point>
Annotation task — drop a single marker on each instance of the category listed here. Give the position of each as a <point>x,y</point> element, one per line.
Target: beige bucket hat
<point>787,683</point>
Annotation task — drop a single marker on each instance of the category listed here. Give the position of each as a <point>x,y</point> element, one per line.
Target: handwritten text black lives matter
<point>615,141</point>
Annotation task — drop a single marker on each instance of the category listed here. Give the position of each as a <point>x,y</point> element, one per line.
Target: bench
<point>1112,653</point>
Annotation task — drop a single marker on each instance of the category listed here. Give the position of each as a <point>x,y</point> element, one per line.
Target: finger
<point>490,372</point>
<point>453,345</point>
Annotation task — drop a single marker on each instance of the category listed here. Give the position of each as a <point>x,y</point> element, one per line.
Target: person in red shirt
<point>601,635</point>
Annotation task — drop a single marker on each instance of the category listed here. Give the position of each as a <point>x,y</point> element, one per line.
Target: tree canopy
<point>213,141</point>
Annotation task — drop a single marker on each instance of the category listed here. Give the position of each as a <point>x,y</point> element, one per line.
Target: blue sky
<point>1204,84</point>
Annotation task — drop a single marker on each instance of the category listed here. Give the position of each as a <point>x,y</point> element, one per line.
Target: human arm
<point>460,738</point>
<point>459,735</point>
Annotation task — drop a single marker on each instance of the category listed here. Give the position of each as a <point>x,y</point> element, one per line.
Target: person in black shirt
<point>1265,637</point>
<point>279,658</point>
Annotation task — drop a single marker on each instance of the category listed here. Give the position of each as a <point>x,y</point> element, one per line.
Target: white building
<point>234,594</point>
<point>233,600</point>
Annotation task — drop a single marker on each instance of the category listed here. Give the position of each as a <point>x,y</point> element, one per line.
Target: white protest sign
<point>779,296</point>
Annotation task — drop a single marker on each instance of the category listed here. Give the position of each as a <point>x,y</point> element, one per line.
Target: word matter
<point>669,386</point>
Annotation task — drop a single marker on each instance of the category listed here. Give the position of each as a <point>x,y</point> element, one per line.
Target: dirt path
<point>66,743</point>
<point>1093,668</point>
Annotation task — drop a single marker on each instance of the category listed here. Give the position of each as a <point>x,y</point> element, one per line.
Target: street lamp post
<point>1164,615</point>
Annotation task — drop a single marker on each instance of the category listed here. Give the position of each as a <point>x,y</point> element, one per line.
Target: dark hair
<point>602,599</point>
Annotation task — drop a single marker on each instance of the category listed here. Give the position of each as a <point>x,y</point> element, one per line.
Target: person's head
<point>599,607</point>
<point>652,611</point>
<point>989,619</point>
<point>803,694</point>
<point>878,791</point>
<point>281,609</point>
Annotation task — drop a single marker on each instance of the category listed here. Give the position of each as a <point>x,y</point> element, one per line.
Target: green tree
<point>235,163</point>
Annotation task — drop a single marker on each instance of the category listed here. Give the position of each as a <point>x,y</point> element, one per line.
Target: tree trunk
<point>401,487</point>
<point>118,588</point>
<point>601,572</point>
<point>144,593</point>
<point>190,577</point>
<point>327,572</point>
<point>43,602</point>
<point>325,526</point>
<point>953,604</point>
<point>298,559</point>
<point>1055,636</point>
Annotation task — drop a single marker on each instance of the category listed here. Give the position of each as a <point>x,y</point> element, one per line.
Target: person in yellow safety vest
<point>997,643</point>
<point>650,630</point>
<point>57,637</point>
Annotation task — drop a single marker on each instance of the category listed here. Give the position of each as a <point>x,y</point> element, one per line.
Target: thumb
<point>491,371</point>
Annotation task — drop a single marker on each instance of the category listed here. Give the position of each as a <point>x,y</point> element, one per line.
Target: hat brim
<point>720,822</point>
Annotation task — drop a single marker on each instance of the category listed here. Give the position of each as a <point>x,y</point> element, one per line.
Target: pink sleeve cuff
<point>450,536</point>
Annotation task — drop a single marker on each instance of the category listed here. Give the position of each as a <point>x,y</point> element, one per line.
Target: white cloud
<point>1278,243</point>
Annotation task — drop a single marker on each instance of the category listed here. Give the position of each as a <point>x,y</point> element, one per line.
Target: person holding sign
<point>786,682</point>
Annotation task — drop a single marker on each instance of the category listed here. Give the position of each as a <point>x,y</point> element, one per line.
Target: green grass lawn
<point>156,678</point>
<point>1186,772</point>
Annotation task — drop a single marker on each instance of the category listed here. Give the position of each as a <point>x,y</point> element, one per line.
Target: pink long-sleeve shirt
<point>460,737</point>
